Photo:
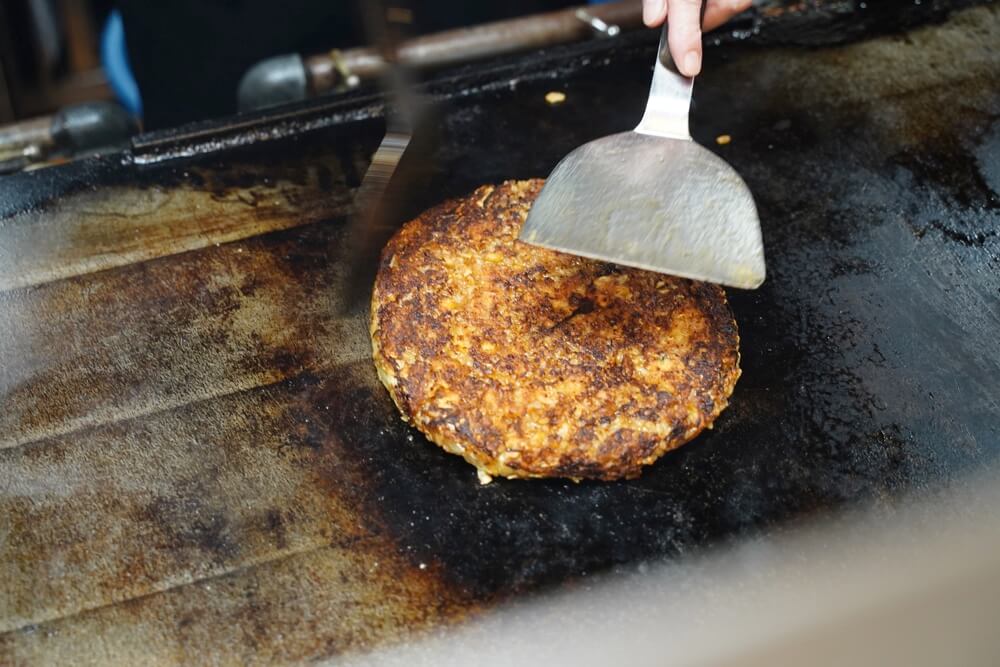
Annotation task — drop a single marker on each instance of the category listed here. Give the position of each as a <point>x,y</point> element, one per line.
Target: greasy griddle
<point>197,459</point>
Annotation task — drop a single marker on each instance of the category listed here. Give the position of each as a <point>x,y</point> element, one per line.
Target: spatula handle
<point>669,98</point>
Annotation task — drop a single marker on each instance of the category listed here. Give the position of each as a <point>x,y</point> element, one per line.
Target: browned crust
<point>534,363</point>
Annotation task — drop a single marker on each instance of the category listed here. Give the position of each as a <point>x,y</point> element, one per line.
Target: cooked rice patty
<point>534,363</point>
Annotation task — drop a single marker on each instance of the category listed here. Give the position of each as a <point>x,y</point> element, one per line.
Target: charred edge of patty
<point>622,458</point>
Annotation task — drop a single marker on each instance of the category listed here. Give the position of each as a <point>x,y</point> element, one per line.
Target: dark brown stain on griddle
<point>186,516</point>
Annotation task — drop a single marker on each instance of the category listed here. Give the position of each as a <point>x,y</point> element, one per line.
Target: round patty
<point>533,363</point>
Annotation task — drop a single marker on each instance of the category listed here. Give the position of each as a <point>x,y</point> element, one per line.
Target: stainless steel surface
<point>370,227</point>
<point>669,101</point>
<point>653,198</point>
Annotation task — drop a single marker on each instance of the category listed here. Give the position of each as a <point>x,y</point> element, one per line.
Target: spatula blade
<point>665,205</point>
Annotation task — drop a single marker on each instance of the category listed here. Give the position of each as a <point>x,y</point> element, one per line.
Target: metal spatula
<point>653,198</point>
<point>398,166</point>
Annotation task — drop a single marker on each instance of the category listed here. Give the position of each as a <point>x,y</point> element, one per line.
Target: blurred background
<point>170,63</point>
<point>82,76</point>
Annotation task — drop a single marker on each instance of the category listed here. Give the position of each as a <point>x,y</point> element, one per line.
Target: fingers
<point>720,11</point>
<point>654,12</point>
<point>684,35</point>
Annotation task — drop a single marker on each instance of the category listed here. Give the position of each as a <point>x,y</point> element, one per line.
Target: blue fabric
<point>114,59</point>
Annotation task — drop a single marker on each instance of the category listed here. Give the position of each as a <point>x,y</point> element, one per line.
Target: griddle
<point>197,461</point>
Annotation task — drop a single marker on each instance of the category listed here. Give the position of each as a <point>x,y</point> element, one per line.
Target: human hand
<point>684,28</point>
